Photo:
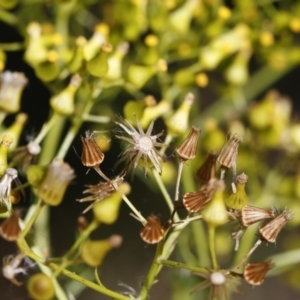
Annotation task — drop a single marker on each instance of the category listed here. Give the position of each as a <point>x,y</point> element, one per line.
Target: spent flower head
<point>141,145</point>
<point>11,268</point>
<point>219,281</point>
<point>5,189</point>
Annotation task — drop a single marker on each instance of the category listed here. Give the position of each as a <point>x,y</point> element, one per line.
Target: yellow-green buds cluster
<point>178,123</point>
<point>63,102</point>
<point>215,213</point>
<point>94,252</point>
<point>12,85</point>
<point>55,182</point>
<point>107,210</point>
<point>238,198</point>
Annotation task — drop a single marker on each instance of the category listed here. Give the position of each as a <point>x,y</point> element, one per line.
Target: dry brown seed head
<point>251,214</point>
<point>153,232</point>
<point>270,230</point>
<point>10,228</point>
<point>207,171</point>
<point>254,273</point>
<point>195,202</point>
<point>187,149</point>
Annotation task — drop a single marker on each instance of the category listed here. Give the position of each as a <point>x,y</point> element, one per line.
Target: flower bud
<point>213,137</point>
<point>40,287</point>
<point>36,51</point>
<point>5,143</point>
<point>295,24</point>
<point>266,38</point>
<point>55,182</point>
<point>48,70</point>
<point>202,80</point>
<point>98,65</point>
<point>180,18</point>
<point>12,85</point>
<point>63,102</point>
<point>139,75</point>
<point>35,174</point>
<point>107,210</point>
<point>238,199</point>
<point>215,213</point>
<point>94,252</point>
<point>92,47</point>
<point>115,62</point>
<point>77,60</point>
<point>153,112</point>
<point>178,123</point>
<point>15,129</point>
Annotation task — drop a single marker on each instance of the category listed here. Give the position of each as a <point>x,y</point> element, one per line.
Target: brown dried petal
<point>91,154</point>
<point>208,169</point>
<point>10,228</point>
<point>227,156</point>
<point>254,273</point>
<point>153,232</point>
<point>251,214</point>
<point>270,231</point>
<point>187,149</point>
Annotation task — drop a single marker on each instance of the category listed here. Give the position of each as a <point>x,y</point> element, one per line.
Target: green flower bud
<point>94,252</point>
<point>98,65</point>
<point>55,182</point>
<point>180,18</point>
<point>150,55</point>
<point>178,123</point>
<point>12,85</point>
<point>115,62</point>
<point>133,109</point>
<point>92,47</point>
<point>36,51</point>
<point>63,103</point>
<point>48,70</point>
<point>35,174</point>
<point>40,287</point>
<point>237,73</point>
<point>15,129</point>
<point>153,112</point>
<point>77,60</point>
<point>107,210</point>
<point>215,213</point>
<point>213,137</point>
<point>238,199</point>
<point>139,75</point>
<point>184,78</point>
<point>6,141</point>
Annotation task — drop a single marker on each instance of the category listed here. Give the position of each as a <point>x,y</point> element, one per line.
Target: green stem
<point>73,131</point>
<point>34,216</point>
<point>83,236</point>
<point>149,281</point>
<point>92,285</point>
<point>164,192</point>
<point>8,18</point>
<point>12,46</point>
<point>212,245</point>
<point>46,127</point>
<point>175,264</point>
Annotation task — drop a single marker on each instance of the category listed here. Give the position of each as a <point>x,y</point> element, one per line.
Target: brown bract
<point>254,273</point>
<point>153,232</point>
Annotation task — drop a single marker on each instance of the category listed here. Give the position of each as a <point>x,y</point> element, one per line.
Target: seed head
<point>153,232</point>
<point>254,273</point>
<point>207,171</point>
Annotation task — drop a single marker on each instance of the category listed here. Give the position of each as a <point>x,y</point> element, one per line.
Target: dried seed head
<point>26,155</point>
<point>141,145</point>
<point>187,149</point>
<point>254,273</point>
<point>270,230</point>
<point>207,171</point>
<point>5,189</point>
<point>251,214</point>
<point>99,191</point>
<point>195,202</point>
<point>153,232</point>
<point>227,156</point>
<point>10,228</point>
<point>11,267</point>
<point>91,155</point>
